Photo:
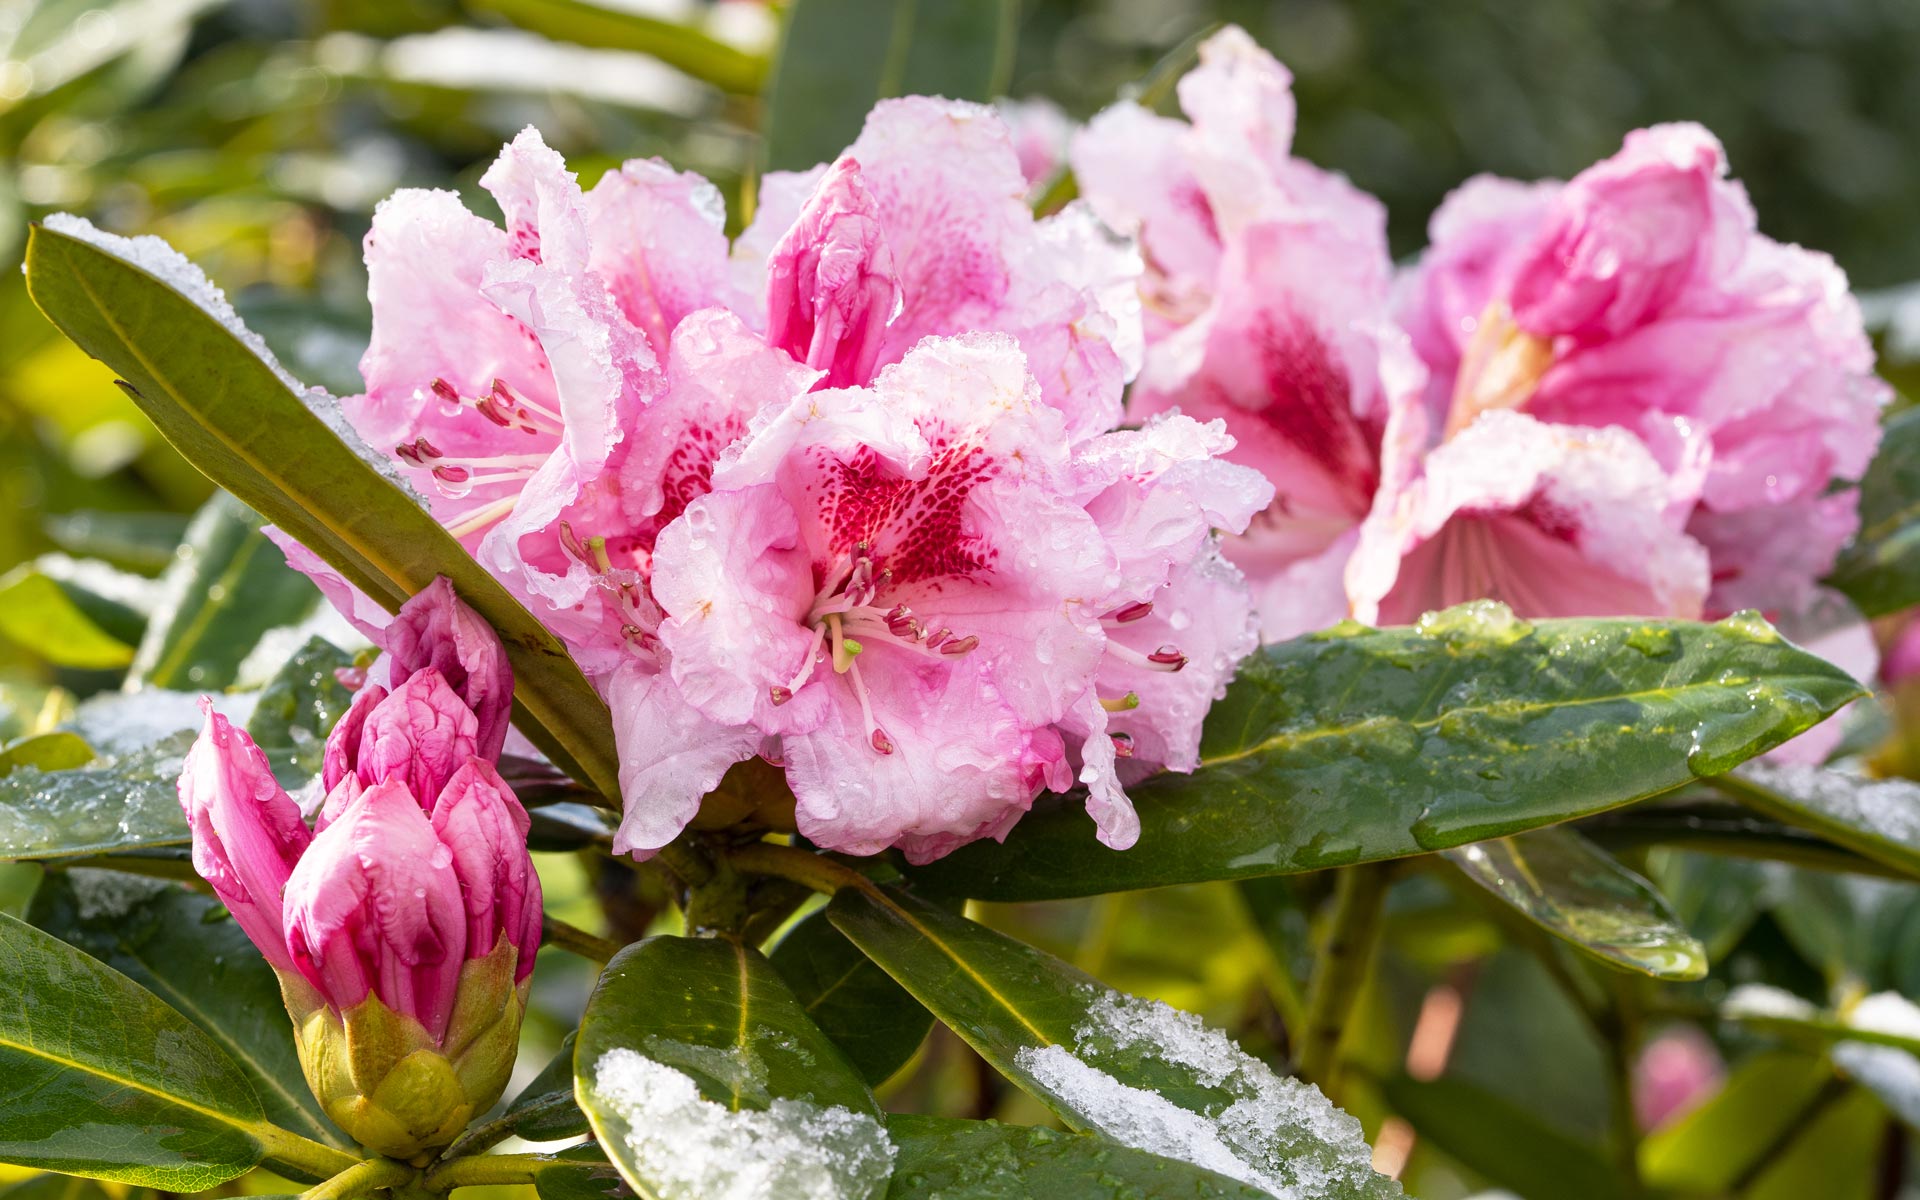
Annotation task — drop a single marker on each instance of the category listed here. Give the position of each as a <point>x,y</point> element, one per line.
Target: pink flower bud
<point>420,735</point>
<point>247,832</point>
<point>374,905</point>
<point>831,289</point>
<point>434,630</point>
<point>1676,1071</point>
<point>479,819</point>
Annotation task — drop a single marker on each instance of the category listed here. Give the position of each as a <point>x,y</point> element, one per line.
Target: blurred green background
<point>257,135</point>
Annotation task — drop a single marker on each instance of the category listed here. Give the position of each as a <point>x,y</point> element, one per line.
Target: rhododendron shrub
<point>937,539</point>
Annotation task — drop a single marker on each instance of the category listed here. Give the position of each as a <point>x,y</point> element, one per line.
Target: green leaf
<point>1880,570</point>
<point>671,1015</point>
<point>1576,891</point>
<point>57,751</point>
<point>223,407</point>
<point>943,1159</point>
<point>1145,1075</point>
<point>298,708</point>
<point>837,57</point>
<point>55,1187</point>
<point>545,1110</point>
<point>99,1078</point>
<point>1762,1103</point>
<point>1509,1145</point>
<point>579,1173</point>
<point>1355,744</point>
<point>875,1021</point>
<point>227,586</point>
<point>1879,818</point>
<point>63,622</point>
<point>116,803</point>
<point>185,949</point>
<point>609,27</point>
<point>138,541</point>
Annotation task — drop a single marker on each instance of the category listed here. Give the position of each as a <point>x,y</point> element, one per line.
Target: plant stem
<point>362,1179</point>
<point>1360,892</point>
<point>816,871</point>
<point>687,862</point>
<point>575,940</point>
<point>484,1169</point>
<point>305,1156</point>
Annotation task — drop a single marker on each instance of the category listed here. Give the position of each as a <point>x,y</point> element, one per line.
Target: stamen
<point>960,646</point>
<point>1166,658</point>
<point>876,736</point>
<point>483,516</point>
<point>779,695</point>
<point>1130,612</point>
<point>1126,703</point>
<point>806,666</point>
<point>572,544</point>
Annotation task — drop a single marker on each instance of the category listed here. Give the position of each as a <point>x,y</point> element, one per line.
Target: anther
<point>960,646</point>
<point>1122,745</point>
<point>1133,612</point>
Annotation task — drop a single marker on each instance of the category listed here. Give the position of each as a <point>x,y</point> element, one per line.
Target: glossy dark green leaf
<point>1357,744</point>
<point>1509,1145</point>
<point>113,803</point>
<point>138,541</point>
<point>837,57</point>
<point>942,1159</point>
<point>1577,892</point>
<point>56,751</point>
<point>874,1020</point>
<point>184,948</point>
<point>1145,1075</point>
<point>673,1013</point>
<point>223,408</point>
<point>611,27</point>
<point>1880,570</point>
<point>99,1078</point>
<point>298,708</point>
<point>579,1173</point>
<point>545,1110</point>
<point>227,586</point>
<point>1879,818</point>
<point>63,622</point>
<point>570,826</point>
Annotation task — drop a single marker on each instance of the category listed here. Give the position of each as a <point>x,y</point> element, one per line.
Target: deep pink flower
<point>1641,296</point>
<point>420,861</point>
<point>435,631</point>
<point>247,832</point>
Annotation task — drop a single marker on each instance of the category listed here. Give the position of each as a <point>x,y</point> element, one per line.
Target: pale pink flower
<point>1676,1073</point>
<point>1267,301</point>
<point>889,581</point>
<point>1041,133</point>
<point>1641,296</point>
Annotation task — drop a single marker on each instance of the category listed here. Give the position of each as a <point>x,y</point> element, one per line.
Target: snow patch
<point>687,1145</point>
<point>1887,1012</point>
<point>1752,1001</point>
<point>122,722</point>
<point>1274,1133</point>
<point>1889,808</point>
<point>110,894</point>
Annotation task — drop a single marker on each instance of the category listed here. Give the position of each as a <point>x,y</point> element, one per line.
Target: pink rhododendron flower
<point>1640,296</point>
<point>895,325</point>
<point>1676,1072</point>
<point>1041,133</point>
<point>1267,300</point>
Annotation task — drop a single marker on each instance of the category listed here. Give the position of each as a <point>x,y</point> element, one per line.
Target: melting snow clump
<point>1887,1012</point>
<point>1272,1132</point>
<point>1757,1000</point>
<point>1888,807</point>
<point>689,1145</point>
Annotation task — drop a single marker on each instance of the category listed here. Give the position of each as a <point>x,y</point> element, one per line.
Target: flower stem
<point>362,1179</point>
<point>575,940</point>
<point>816,871</point>
<point>484,1169</point>
<point>303,1155</point>
<point>1360,892</point>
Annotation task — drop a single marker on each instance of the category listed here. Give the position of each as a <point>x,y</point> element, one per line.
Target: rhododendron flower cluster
<point>1612,396</point>
<point>848,494</point>
<point>404,924</point>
